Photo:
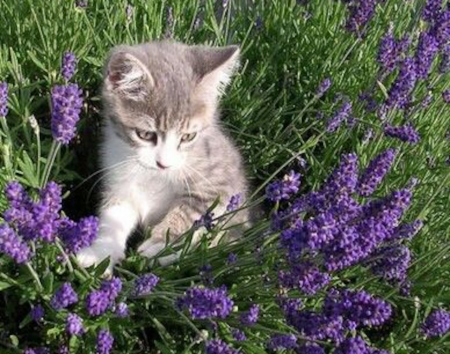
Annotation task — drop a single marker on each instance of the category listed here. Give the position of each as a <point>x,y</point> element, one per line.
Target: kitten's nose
<point>161,166</point>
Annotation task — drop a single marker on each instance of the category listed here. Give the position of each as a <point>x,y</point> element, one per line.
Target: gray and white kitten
<point>165,155</point>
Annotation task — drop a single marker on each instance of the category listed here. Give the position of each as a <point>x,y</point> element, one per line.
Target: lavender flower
<point>305,277</point>
<point>391,262</point>
<point>232,259</point>
<point>69,63</point>
<point>216,346</point>
<point>238,335</point>
<point>323,87</point>
<point>78,235</point>
<point>74,325</point>
<point>405,133</point>
<point>112,288</point>
<point>206,221</point>
<point>406,231</point>
<point>282,341</point>
<point>353,346</point>
<point>205,303</point>
<point>250,317</point>
<point>37,313</point>
<point>63,349</point>
<point>431,10</point>
<point>444,65</point>
<point>375,172</point>
<point>399,94</point>
<point>13,246</point>
<point>446,96</point>
<point>285,188</point>
<point>66,108</point>
<point>81,3</point>
<point>360,14</point>
<point>97,302</point>
<point>105,342</point>
<point>64,297</point>
<point>441,29</point>
<point>234,202</point>
<point>3,99</point>
<point>343,179</point>
<point>436,324</point>
<point>122,310</point>
<point>310,348</point>
<point>341,114</point>
<point>144,284</point>
<point>426,51</point>
<point>387,52</point>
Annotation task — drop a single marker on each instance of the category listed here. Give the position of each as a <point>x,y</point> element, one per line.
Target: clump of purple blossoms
<point>282,341</point>
<point>122,310</point>
<point>250,317</point>
<point>66,108</point>
<point>40,350</point>
<point>13,246</point>
<point>78,235</point>
<point>444,65</point>
<point>232,258</point>
<point>446,96</point>
<point>341,114</point>
<point>353,346</point>
<point>323,87</point>
<point>37,313</point>
<point>74,325</point>
<point>284,189</point>
<point>441,28</point>
<point>205,221</point>
<point>217,346</point>
<point>98,301</point>
<point>238,335</point>
<point>399,94</point>
<point>69,64</point>
<point>425,54</point>
<point>391,262</point>
<point>105,342</point>
<point>436,324</point>
<point>360,14</point>
<point>310,348</point>
<point>390,51</point>
<point>202,303</point>
<point>64,297</point>
<point>405,133</point>
<point>375,172</point>
<point>234,202</point>
<point>431,10</point>
<point>305,277</point>
<point>3,99</point>
<point>145,284</point>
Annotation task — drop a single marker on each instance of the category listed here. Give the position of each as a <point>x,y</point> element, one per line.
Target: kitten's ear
<point>127,76</point>
<point>214,66</point>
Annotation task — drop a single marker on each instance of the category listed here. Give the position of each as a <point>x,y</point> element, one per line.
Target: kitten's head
<point>161,96</point>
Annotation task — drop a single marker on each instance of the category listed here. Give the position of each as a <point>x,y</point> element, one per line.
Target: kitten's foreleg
<point>177,221</point>
<point>117,221</point>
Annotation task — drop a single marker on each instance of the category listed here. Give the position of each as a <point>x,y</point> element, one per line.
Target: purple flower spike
<point>122,310</point>
<point>216,346</point>
<point>13,246</point>
<point>441,29</point>
<point>250,317</point>
<point>405,133</point>
<point>282,341</point>
<point>3,99</point>
<point>78,235</point>
<point>97,302</point>
<point>37,313</point>
<point>353,346</point>
<point>205,303</point>
<point>431,10</point>
<point>446,96</point>
<point>444,66</point>
<point>426,52</point>
<point>74,325</point>
<point>391,263</point>
<point>66,108</point>
<point>238,335</point>
<point>234,202</point>
<point>375,172</point>
<point>284,189</point>
<point>341,114</point>
<point>144,284</point>
<point>399,94</point>
<point>64,297</point>
<point>105,342</point>
<point>323,87</point>
<point>69,63</point>
<point>387,52</point>
<point>437,323</point>
<point>360,14</point>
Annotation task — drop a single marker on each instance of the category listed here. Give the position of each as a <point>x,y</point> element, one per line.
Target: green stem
<point>50,161</point>
<point>35,276</point>
<point>65,255</point>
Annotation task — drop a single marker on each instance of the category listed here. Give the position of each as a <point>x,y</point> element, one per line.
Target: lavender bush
<point>341,111</point>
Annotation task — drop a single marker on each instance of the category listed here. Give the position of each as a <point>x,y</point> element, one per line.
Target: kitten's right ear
<point>127,76</point>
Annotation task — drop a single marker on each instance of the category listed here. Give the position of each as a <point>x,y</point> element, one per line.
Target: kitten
<point>165,155</point>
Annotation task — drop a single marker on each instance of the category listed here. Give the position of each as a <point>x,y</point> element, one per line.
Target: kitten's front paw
<point>94,256</point>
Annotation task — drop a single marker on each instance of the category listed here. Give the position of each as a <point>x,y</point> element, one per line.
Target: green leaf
<point>48,282</point>
<point>162,348</point>
<point>4,285</point>
<point>14,340</point>
<point>101,268</point>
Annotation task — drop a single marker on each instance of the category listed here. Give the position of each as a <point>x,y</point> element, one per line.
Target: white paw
<point>95,255</point>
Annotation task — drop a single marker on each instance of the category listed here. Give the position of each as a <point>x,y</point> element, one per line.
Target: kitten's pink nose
<point>161,166</point>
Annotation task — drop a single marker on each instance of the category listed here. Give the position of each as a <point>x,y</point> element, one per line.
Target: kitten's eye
<point>147,135</point>
<point>188,137</point>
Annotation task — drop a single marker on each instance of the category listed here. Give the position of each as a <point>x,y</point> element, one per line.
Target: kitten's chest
<point>151,196</point>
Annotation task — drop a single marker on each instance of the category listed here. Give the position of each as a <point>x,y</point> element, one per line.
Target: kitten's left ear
<point>214,67</point>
